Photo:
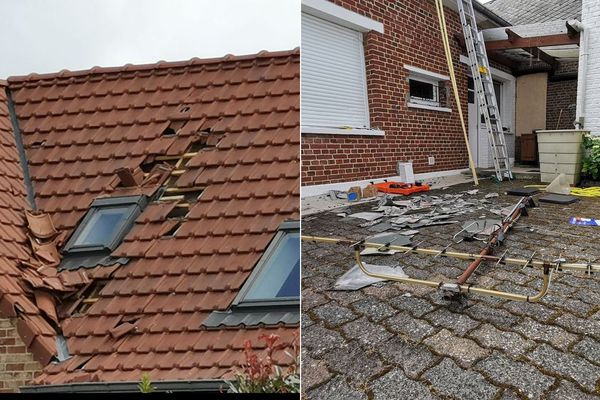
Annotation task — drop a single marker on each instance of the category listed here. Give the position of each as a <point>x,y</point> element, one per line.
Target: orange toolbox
<point>401,187</point>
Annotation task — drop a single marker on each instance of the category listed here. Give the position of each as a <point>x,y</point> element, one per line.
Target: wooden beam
<point>542,55</point>
<point>538,41</point>
<point>491,56</point>
<point>512,36</point>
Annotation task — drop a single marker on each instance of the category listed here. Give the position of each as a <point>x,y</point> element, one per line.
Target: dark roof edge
<point>215,385</point>
<point>158,65</point>
<point>490,14</point>
<point>21,149</point>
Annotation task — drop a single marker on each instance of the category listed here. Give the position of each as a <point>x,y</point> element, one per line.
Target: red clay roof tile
<point>80,127</point>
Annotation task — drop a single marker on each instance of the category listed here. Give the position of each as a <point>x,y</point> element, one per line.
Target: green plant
<point>262,375</point>
<point>145,384</point>
<point>591,157</point>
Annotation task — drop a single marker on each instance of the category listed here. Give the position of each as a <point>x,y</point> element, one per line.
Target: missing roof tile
<point>180,211</point>
<point>171,232</point>
<point>90,296</point>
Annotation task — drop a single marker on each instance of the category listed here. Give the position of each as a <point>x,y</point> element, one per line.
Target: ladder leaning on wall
<point>484,88</point>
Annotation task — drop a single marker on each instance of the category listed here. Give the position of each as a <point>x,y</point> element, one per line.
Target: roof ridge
<point>65,73</point>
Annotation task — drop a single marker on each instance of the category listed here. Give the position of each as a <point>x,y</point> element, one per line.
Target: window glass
<point>102,226</point>
<point>280,275</point>
<point>421,90</point>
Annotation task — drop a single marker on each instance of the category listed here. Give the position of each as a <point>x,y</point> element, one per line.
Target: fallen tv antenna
<point>453,289</point>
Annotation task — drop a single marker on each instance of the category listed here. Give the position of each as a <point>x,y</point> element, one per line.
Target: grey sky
<point>48,36</point>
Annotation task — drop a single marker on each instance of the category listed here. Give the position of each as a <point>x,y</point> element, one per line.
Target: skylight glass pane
<point>280,277</point>
<point>102,227</point>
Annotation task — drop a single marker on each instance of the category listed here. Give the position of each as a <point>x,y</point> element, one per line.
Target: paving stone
<point>536,311</point>
<point>526,379</point>
<point>459,323</point>
<point>374,309</point>
<point>385,291</point>
<point>336,389</point>
<point>320,340</point>
<point>509,342</point>
<point>466,351</point>
<point>497,317</point>
<point>567,365</point>
<point>334,315</point>
<point>305,320</point>
<point>575,306</point>
<point>514,277</point>
<point>589,349</point>
<point>366,332</point>
<point>413,358</point>
<point>414,305</point>
<point>312,299</point>
<point>449,379</point>
<point>345,297</point>
<point>554,335</point>
<point>396,386</point>
<point>415,329</point>
<point>509,395</point>
<point>569,391</point>
<point>588,326</point>
<point>314,372</point>
<point>354,362</point>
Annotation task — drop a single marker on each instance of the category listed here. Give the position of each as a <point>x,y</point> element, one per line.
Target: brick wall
<point>17,366</point>
<point>590,14</point>
<point>411,37</point>
<point>562,95</point>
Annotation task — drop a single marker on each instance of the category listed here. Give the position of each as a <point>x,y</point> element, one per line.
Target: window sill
<point>325,130</point>
<point>431,108</point>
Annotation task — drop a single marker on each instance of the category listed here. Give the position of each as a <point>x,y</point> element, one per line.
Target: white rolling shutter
<point>333,81</point>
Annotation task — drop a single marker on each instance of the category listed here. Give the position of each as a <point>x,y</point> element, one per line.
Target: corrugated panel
<point>333,83</point>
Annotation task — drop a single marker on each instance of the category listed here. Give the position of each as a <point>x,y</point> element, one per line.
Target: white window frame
<point>432,78</point>
<point>330,12</point>
<point>240,300</point>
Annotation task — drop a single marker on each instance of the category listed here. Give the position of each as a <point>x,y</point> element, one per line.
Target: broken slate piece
<point>368,216</point>
<point>389,238</point>
<point>522,191</point>
<point>355,279</point>
<point>380,227</point>
<point>558,199</point>
<point>490,195</point>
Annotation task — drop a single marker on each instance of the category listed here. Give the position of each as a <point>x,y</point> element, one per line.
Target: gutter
<point>477,6</point>
<point>210,386</point>
<point>21,150</point>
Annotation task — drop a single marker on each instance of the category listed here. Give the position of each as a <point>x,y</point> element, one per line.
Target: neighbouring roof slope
<point>240,116</point>
<point>519,12</point>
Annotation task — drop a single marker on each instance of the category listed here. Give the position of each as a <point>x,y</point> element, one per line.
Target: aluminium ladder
<point>484,87</point>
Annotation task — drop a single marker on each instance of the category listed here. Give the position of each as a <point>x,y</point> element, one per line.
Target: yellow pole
<point>448,51</point>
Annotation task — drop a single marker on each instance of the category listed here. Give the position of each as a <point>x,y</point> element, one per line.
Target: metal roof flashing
<point>211,386</point>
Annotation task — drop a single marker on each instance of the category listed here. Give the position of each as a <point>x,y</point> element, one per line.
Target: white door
<point>473,119</point>
<point>478,134</point>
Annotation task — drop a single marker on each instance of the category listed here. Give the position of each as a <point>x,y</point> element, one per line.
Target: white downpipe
<point>582,72</point>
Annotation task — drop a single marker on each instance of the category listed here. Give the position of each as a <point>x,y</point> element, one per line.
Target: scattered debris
<point>369,216</point>
<point>491,195</point>
<point>355,279</point>
<point>526,191</point>
<point>560,185</point>
<point>558,199</point>
<point>584,221</point>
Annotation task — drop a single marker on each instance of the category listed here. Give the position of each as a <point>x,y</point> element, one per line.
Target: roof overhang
<point>484,16</point>
<point>214,386</point>
<point>532,46</point>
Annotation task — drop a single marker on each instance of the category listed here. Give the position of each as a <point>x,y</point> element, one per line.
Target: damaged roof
<point>214,145</point>
<point>519,12</point>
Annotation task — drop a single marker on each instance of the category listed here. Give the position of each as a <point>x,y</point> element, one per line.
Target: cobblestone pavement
<point>393,340</point>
